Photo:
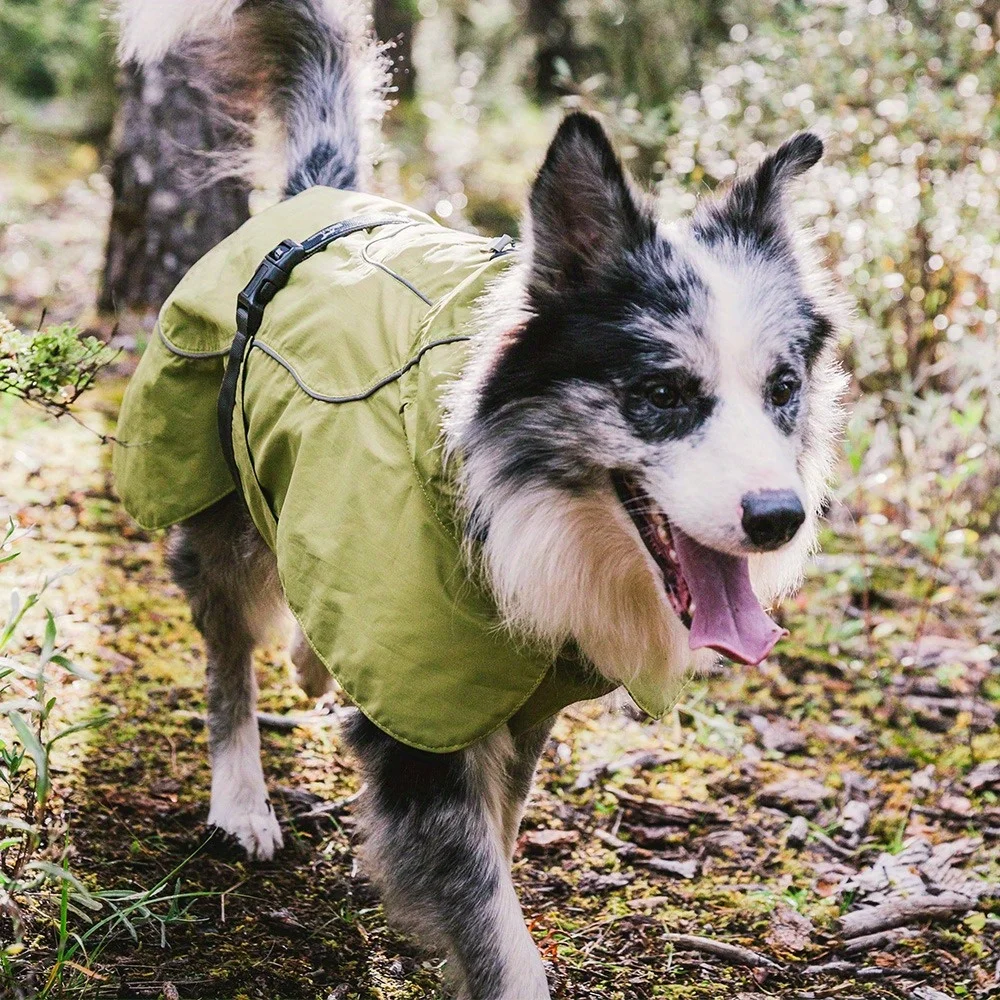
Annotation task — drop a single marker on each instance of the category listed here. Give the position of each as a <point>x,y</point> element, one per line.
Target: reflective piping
<point>388,270</point>
<point>364,394</point>
<point>195,355</point>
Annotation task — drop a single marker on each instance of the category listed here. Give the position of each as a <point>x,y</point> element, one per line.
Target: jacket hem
<point>485,731</point>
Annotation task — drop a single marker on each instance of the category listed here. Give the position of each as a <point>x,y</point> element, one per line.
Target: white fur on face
<point>699,481</point>
<point>568,564</point>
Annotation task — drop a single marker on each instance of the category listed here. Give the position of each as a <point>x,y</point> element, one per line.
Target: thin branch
<point>730,952</point>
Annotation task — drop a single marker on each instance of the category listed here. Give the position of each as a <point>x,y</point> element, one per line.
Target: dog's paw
<point>258,833</point>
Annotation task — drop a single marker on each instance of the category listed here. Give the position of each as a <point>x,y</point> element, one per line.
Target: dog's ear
<point>583,212</point>
<point>755,205</point>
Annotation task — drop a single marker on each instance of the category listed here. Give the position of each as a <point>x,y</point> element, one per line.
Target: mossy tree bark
<point>164,215</point>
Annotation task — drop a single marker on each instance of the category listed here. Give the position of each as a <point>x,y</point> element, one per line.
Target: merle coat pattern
<point>628,381</point>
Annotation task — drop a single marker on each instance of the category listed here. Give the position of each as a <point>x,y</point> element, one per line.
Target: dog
<point>643,434</point>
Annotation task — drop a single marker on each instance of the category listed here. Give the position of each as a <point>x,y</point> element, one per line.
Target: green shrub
<point>51,368</point>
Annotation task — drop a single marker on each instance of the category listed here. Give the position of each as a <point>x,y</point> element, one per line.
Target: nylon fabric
<point>336,433</point>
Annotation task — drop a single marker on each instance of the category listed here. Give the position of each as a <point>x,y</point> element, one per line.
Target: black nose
<point>771,517</point>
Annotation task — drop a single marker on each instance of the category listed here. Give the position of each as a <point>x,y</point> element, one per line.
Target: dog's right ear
<point>583,212</point>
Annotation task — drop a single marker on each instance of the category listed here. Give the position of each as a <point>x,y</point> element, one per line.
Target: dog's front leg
<point>227,573</point>
<point>436,833</point>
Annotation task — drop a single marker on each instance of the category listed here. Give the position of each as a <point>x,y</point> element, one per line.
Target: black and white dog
<point>645,427</point>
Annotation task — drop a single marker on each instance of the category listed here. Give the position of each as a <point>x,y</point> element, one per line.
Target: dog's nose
<point>771,517</point>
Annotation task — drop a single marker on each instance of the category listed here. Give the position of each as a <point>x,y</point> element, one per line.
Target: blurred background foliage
<point>57,49</point>
<point>906,203</point>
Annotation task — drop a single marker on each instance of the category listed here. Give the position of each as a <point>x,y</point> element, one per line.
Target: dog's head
<point>668,387</point>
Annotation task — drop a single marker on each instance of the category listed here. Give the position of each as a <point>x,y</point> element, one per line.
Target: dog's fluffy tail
<point>311,65</point>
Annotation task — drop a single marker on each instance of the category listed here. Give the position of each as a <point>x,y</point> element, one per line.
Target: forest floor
<point>768,839</point>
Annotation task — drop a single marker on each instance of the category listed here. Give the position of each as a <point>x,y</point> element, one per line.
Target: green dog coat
<point>335,435</point>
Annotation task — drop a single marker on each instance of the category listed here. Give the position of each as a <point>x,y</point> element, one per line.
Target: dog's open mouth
<point>709,590</point>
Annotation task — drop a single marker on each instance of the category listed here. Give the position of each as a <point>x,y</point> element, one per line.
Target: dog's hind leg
<point>436,843</point>
<point>229,576</point>
<point>528,747</point>
<point>310,674</point>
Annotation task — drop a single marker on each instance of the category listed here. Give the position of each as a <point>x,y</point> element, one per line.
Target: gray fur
<point>438,835</point>
<point>603,300</point>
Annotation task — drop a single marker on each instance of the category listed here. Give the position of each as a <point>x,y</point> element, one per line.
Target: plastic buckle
<point>501,245</point>
<point>272,275</point>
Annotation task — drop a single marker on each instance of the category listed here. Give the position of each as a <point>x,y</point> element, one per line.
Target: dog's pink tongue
<point>727,615</point>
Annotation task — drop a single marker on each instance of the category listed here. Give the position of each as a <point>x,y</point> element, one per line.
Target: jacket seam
<point>194,355</point>
<point>361,394</point>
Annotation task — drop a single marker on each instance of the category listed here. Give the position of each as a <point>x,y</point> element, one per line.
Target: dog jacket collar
<point>333,417</point>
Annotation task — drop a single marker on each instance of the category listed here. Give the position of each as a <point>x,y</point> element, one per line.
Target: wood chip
<point>789,930</point>
<point>681,869</point>
<point>798,832</point>
<point>853,820</point>
<point>545,840</point>
<point>648,903</point>
<point>636,760</point>
<point>985,775</point>
<point>928,993</point>
<point>778,734</point>
<point>802,795</point>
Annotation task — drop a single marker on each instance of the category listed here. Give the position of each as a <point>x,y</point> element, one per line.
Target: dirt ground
<point>750,845</point>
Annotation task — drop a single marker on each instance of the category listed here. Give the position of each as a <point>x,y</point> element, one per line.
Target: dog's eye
<point>672,394</point>
<point>783,389</point>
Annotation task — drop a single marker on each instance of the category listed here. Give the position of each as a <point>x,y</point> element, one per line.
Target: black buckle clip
<point>272,275</point>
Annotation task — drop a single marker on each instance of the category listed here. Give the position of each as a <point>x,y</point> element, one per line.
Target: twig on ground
<point>731,952</point>
<point>897,912</point>
<point>874,942</point>
<point>282,722</point>
<point>839,968</point>
<point>617,844</point>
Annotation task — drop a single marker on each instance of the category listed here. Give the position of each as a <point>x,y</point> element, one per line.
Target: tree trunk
<point>164,217</point>
<point>394,22</point>
<point>552,28</point>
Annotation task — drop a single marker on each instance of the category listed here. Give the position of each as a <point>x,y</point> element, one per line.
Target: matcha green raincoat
<point>336,435</point>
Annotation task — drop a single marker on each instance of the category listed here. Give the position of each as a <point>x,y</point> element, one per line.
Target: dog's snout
<point>771,517</point>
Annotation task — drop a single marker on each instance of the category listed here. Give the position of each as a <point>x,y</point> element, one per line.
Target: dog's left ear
<point>755,205</point>
<point>584,214</point>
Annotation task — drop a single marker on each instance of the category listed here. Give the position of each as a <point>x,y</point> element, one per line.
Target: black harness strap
<point>268,280</point>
